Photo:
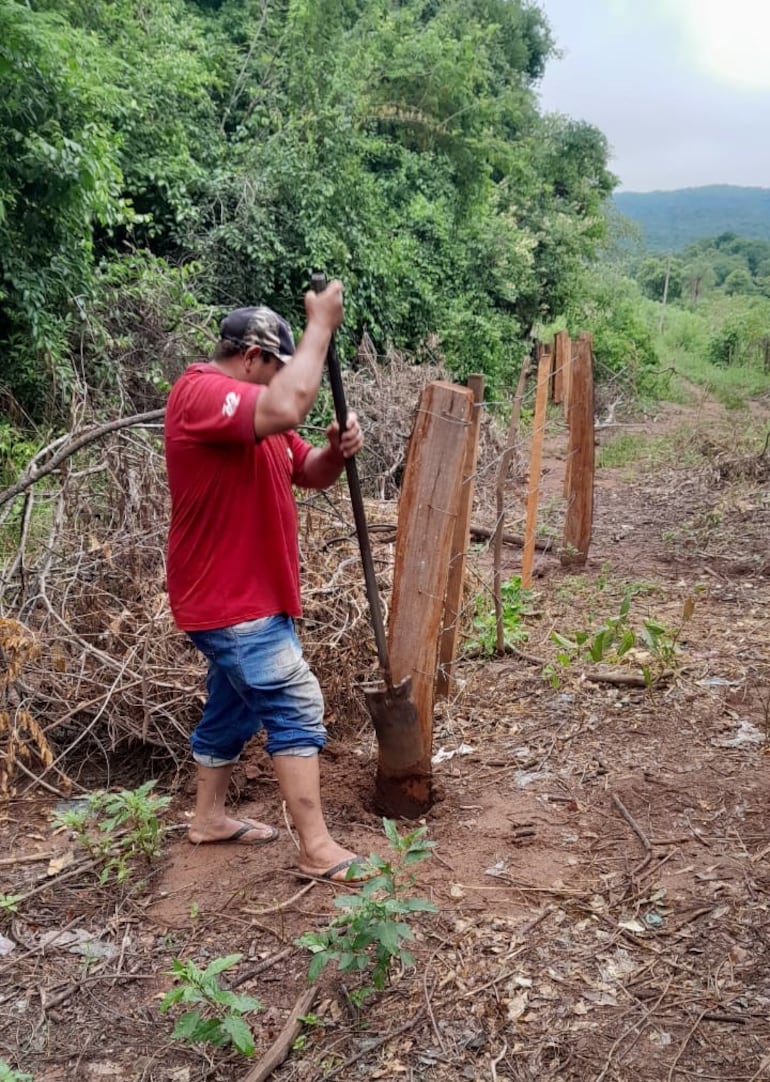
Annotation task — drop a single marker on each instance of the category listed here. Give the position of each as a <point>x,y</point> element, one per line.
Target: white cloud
<point>729,40</point>
<point>681,88</point>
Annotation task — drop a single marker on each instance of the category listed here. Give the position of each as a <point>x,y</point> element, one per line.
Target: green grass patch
<point>733,386</point>
<point>636,449</point>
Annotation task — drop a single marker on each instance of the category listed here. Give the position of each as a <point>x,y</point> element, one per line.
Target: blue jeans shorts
<point>257,679</point>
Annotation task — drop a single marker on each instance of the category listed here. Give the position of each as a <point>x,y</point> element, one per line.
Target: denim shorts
<point>257,679</point>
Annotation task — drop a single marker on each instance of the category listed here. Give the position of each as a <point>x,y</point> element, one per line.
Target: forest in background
<point>674,219</point>
<point>163,163</point>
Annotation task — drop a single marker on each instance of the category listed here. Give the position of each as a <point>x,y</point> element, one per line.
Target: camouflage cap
<point>259,327</point>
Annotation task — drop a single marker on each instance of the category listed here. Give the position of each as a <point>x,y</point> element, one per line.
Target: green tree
<point>59,179</point>
<point>652,275</point>
<point>398,146</point>
<point>739,281</point>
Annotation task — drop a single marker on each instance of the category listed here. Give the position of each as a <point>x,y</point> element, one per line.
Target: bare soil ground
<point>602,871</point>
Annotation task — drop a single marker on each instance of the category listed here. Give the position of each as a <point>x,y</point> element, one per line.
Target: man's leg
<point>211,823</point>
<point>217,743</point>
<point>300,782</point>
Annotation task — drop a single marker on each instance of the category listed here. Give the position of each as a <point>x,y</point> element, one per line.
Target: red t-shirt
<point>233,553</point>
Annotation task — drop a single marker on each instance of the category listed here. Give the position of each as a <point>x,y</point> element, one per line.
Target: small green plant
<point>515,604</point>
<point>9,903</point>
<point>369,934</point>
<point>314,1022</point>
<point>217,1014</point>
<point>8,1074</point>
<point>615,638</point>
<point>117,827</point>
<point>663,642</point>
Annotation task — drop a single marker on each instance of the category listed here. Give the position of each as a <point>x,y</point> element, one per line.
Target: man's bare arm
<point>290,395</point>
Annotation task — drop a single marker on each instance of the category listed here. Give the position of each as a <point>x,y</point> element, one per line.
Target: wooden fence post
<point>578,522</point>
<point>502,478</point>
<point>545,361</point>
<point>427,513</point>
<point>561,362</point>
<point>573,352</point>
<point>450,634</point>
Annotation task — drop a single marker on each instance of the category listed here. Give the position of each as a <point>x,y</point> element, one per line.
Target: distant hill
<point>672,220</point>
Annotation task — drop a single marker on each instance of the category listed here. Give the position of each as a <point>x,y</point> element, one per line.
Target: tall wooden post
<point>502,479</point>
<point>427,516</point>
<point>567,377</point>
<point>450,634</point>
<point>536,463</point>
<point>573,352</point>
<point>578,522</point>
<point>665,295</point>
<point>561,362</point>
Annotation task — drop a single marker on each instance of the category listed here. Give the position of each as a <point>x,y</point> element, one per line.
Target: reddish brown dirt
<point>603,852</point>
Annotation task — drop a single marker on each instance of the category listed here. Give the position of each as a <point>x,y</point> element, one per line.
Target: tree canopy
<point>229,148</point>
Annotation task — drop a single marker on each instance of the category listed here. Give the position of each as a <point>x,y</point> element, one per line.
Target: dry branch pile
<point>104,669</point>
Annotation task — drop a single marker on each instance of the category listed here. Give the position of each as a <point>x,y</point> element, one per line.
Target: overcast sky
<point>681,88</point>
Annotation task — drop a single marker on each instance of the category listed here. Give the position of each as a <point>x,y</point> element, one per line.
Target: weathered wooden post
<point>578,522</point>
<point>545,361</point>
<point>450,634</point>
<point>573,352</point>
<point>561,364</point>
<point>502,479</point>
<point>427,515</point>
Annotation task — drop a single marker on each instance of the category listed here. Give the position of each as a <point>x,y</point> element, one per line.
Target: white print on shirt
<point>291,456</point>
<point>230,404</point>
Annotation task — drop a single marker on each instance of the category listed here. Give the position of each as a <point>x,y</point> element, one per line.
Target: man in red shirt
<point>233,561</point>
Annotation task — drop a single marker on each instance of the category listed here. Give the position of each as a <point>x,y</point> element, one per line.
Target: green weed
<point>8,1074</point>
<point>616,637</point>
<point>649,452</point>
<point>515,604</point>
<point>313,1022</point>
<point>370,933</point>
<point>733,386</point>
<point>217,1014</point>
<point>9,904</point>
<point>115,828</point>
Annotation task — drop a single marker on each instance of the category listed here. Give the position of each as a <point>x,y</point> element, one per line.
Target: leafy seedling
<point>370,934</point>
<point>115,828</point>
<point>217,1013</point>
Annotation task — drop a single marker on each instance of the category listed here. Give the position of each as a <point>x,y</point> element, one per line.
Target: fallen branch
<point>626,679</point>
<point>420,1016</point>
<point>26,858</point>
<point>481,533</point>
<point>281,1046</point>
<point>75,443</point>
<point>279,905</point>
<point>267,963</point>
<point>686,1041</point>
<point>631,821</point>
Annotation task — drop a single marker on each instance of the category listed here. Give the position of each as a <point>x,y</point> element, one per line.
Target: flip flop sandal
<point>329,874</point>
<point>244,828</point>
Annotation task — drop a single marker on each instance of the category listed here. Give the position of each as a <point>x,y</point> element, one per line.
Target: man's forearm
<point>321,468</point>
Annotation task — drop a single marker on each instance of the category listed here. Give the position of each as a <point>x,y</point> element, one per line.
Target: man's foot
<point>331,862</point>
<point>239,831</point>
<point>340,872</point>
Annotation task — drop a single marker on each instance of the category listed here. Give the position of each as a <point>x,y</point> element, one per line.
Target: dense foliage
<point>723,283</point>
<point>162,162</point>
